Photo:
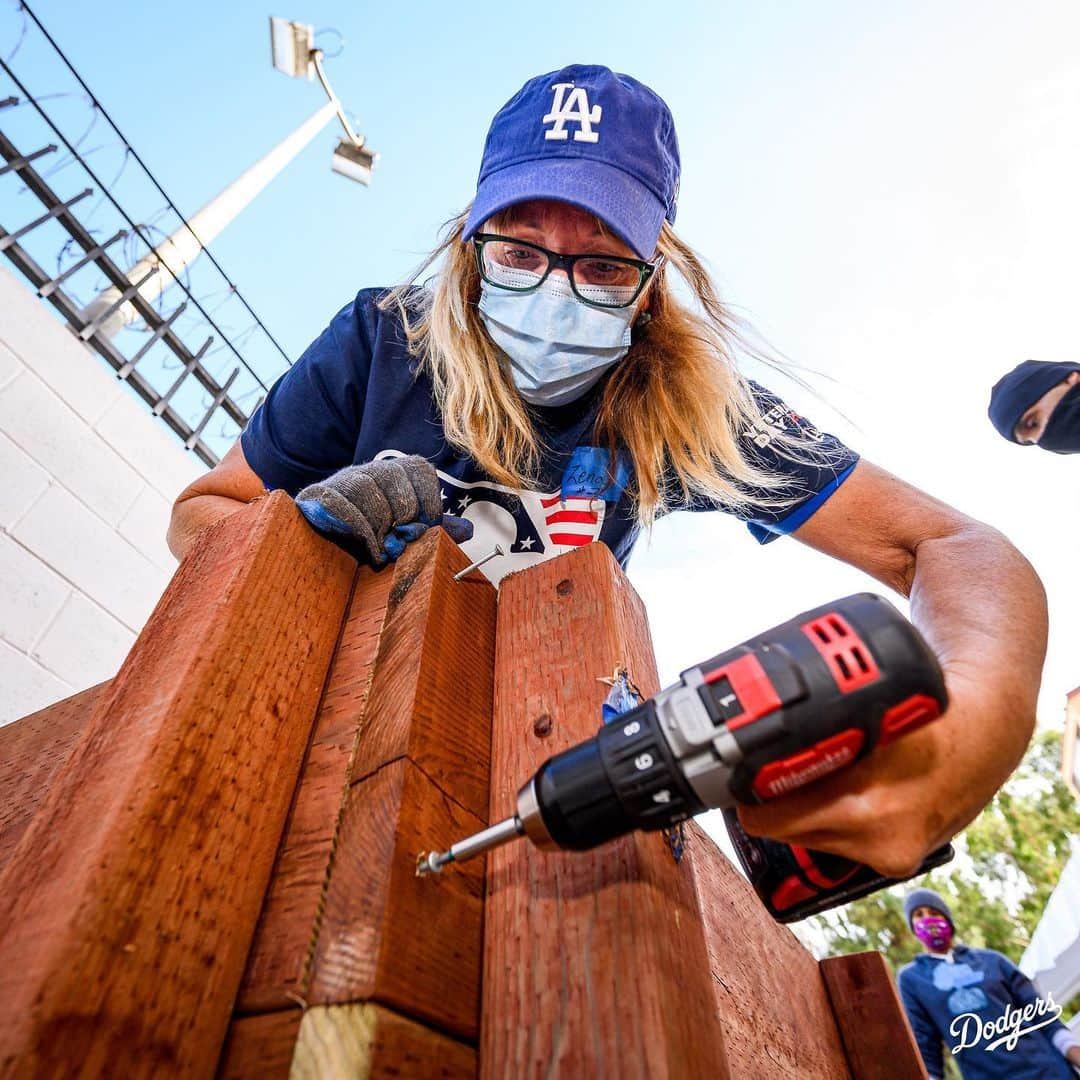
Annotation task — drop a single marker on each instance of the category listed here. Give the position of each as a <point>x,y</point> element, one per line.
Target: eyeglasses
<point>608,281</point>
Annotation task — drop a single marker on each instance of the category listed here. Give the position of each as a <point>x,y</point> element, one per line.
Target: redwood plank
<point>770,998</point>
<point>127,909</point>
<point>412,634</point>
<point>367,1042</point>
<point>877,1034</point>
<point>595,963</point>
<point>432,689</point>
<point>274,978</point>
<point>32,750</point>
<point>260,1047</point>
<point>386,935</point>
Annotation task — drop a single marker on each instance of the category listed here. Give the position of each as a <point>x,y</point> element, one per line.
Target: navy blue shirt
<point>355,395</point>
<point>952,1003</point>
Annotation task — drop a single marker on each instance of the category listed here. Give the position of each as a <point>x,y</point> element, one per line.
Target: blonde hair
<point>677,402</point>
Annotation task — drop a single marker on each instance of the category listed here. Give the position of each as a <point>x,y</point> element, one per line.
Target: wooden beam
<point>431,692</point>
<point>275,977</point>
<point>595,963</point>
<point>406,715</point>
<point>421,765</point>
<point>877,1035</point>
<point>386,935</point>
<point>346,918</point>
<point>32,750</point>
<point>127,909</point>
<point>367,1042</point>
<point>769,997</point>
<point>260,1047</point>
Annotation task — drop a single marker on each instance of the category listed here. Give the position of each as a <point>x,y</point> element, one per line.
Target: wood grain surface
<point>260,1047</point>
<point>367,1042</point>
<point>409,690</point>
<point>386,935</point>
<point>876,1032</point>
<point>31,752</point>
<point>128,906</point>
<point>432,688</point>
<point>276,967</point>
<point>595,963</point>
<point>769,996</point>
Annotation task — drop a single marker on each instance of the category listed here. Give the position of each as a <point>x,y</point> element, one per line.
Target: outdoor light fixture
<point>354,161</point>
<point>293,52</point>
<point>291,45</point>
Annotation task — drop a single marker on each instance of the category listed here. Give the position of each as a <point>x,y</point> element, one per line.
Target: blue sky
<point>887,192</point>
<point>755,89</point>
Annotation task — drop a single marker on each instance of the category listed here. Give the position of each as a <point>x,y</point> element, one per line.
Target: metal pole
<point>185,245</point>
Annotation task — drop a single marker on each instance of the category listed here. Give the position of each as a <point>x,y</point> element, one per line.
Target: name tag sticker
<point>587,475</point>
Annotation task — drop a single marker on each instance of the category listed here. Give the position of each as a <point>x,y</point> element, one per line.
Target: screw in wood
<point>479,562</point>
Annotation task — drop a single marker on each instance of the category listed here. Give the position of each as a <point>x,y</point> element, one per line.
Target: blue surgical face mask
<point>557,346</point>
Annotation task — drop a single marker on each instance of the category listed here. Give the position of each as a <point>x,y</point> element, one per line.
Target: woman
<point>551,388</point>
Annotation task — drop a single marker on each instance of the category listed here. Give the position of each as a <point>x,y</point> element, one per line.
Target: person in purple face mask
<point>976,1002</point>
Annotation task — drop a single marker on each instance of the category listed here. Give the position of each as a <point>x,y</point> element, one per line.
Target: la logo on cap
<point>572,106</point>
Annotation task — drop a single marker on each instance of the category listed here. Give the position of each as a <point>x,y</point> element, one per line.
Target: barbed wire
<point>101,198</point>
<point>152,178</point>
<point>22,33</point>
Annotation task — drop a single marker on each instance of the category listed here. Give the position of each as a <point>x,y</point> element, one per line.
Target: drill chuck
<point>625,778</point>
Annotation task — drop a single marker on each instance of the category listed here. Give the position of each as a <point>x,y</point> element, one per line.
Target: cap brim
<point>622,203</point>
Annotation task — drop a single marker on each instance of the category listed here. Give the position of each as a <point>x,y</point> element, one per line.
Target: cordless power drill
<point>779,711</point>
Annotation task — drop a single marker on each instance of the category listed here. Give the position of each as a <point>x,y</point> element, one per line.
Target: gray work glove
<point>374,510</point>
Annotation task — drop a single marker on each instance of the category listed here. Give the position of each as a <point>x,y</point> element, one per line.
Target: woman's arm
<point>982,608</point>
<point>226,488</point>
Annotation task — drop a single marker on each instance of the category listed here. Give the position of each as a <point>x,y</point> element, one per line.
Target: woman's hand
<point>373,510</point>
<point>982,610</point>
<point>901,802</point>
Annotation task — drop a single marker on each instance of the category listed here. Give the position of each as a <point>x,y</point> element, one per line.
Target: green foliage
<point>1016,849</point>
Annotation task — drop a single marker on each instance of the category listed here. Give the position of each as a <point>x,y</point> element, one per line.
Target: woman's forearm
<point>192,515</point>
<point>982,608</point>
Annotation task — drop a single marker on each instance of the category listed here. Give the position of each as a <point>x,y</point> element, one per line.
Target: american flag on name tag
<point>572,521</point>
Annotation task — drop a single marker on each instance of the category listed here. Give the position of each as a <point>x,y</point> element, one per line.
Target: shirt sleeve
<point>813,472</point>
<point>308,425</point>
<point>1024,993</point>
<point>926,1033</point>
<point>1064,1041</point>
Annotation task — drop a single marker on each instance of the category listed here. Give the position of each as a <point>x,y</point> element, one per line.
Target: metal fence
<point>77,207</point>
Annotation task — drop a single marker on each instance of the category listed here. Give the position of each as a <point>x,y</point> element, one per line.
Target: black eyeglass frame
<point>563,262</point>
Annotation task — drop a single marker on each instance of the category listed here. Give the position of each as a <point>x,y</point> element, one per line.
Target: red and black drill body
<point>769,716</point>
<point>775,713</point>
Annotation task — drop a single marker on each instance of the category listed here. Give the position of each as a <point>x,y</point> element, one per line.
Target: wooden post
<point>32,750</point>
<point>595,963</point>
<point>877,1034</point>
<point>385,965</point>
<point>127,908</point>
<point>769,996</point>
<point>277,965</point>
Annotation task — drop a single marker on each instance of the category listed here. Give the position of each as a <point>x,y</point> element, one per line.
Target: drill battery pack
<point>794,882</point>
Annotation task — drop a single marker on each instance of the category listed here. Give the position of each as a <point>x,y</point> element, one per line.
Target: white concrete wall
<point>87,477</point>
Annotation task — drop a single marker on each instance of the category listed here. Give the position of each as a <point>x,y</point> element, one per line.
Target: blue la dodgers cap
<point>590,137</point>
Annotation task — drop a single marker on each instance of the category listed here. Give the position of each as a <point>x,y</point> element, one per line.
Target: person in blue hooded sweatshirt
<point>979,1004</point>
<point>1038,404</point>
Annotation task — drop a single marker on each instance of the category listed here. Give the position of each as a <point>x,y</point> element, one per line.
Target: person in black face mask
<point>1038,404</point>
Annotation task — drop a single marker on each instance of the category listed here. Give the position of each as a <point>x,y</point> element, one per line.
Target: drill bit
<point>477,844</point>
